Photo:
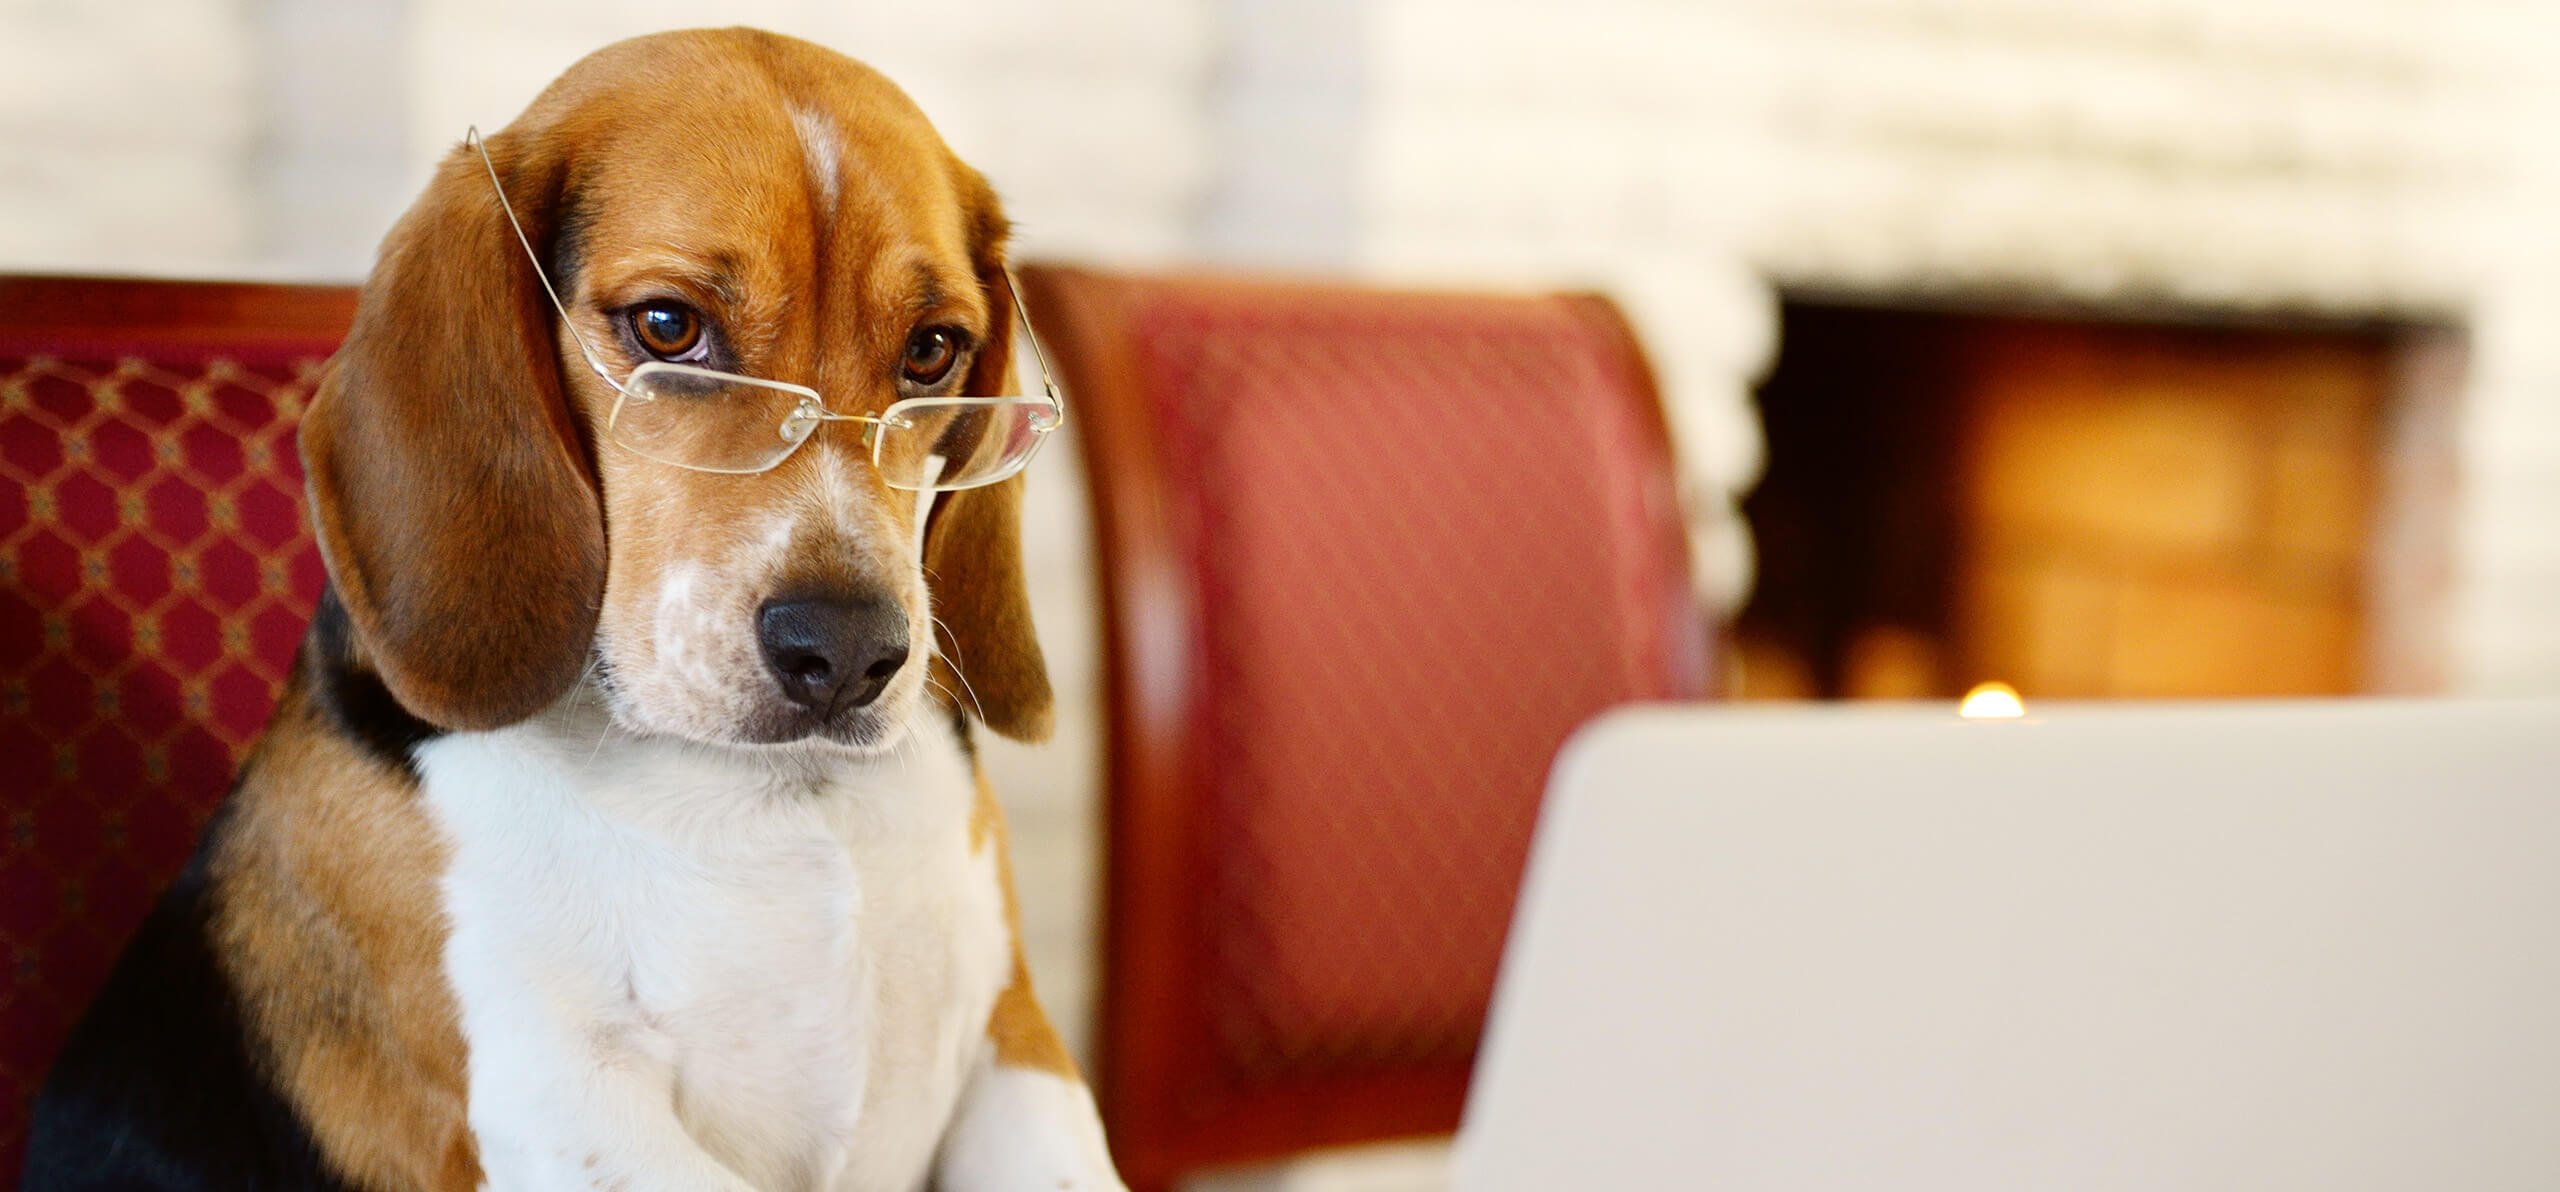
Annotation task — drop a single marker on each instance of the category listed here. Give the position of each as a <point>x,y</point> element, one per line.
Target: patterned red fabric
<point>1369,558</point>
<point>1423,562</point>
<point>156,572</point>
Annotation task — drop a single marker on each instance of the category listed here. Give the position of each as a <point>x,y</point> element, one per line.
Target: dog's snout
<point>829,653</point>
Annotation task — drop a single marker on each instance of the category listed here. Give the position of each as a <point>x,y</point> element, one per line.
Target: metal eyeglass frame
<point>812,409</point>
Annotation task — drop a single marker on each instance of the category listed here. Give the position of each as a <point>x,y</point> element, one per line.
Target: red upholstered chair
<point>155,573</point>
<point>1367,559</point>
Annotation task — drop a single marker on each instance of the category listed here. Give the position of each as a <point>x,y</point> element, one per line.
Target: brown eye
<point>667,330</point>
<point>931,352</point>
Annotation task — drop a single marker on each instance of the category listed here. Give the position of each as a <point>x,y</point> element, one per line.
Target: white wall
<point>1086,116</point>
<point>2391,157</point>
<point>125,132</point>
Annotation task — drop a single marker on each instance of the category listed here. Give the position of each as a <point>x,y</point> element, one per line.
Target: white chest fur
<point>667,955</point>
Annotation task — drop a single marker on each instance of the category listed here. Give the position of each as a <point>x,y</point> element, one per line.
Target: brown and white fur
<point>537,879</point>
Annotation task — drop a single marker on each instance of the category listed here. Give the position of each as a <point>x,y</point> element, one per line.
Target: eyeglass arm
<point>471,137</point>
<point>1022,314</point>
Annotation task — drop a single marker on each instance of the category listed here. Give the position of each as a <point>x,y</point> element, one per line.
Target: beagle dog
<point>620,827</point>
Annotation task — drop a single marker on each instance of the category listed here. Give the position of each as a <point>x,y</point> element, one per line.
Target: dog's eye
<point>931,351</point>
<point>667,330</point>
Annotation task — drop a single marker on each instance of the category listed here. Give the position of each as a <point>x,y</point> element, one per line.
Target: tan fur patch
<point>1018,1028</point>
<point>326,924</point>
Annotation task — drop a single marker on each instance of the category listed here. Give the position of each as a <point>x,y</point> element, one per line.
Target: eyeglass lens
<point>978,442</point>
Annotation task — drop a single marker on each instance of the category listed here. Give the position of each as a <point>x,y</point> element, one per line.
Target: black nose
<point>828,652</point>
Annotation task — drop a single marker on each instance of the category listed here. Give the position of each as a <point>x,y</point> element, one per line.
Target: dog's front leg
<point>1026,1120</point>
<point>559,1104</point>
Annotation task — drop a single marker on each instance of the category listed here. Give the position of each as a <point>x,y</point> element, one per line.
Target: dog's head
<point>737,200</point>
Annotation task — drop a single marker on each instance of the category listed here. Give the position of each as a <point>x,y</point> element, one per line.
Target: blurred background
<point>2108,347</point>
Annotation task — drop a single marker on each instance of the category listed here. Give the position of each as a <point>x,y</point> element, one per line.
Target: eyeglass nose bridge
<point>804,418</point>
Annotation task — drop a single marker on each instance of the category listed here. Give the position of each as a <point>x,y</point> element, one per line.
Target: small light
<point>1992,701</point>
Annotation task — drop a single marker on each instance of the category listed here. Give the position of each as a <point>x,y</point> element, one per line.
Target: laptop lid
<point>2123,946</point>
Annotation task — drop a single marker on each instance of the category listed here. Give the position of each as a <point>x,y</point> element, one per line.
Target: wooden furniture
<point>1367,559</point>
<point>156,570</point>
<point>2097,507</point>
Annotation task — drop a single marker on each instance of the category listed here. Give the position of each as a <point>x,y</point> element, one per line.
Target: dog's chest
<point>807,967</point>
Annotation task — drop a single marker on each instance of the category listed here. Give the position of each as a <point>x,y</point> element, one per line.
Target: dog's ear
<point>973,549</point>
<point>457,513</point>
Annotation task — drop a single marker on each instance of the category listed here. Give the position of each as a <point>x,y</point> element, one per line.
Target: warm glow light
<point>1992,701</point>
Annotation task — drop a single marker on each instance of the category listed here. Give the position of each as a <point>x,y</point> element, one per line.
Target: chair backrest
<point>156,570</point>
<point>1367,559</point>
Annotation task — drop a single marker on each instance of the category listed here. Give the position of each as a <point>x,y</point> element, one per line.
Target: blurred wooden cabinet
<point>2096,508</point>
<point>2167,512</point>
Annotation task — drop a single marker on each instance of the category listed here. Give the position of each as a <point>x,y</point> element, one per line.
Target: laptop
<point>2125,946</point>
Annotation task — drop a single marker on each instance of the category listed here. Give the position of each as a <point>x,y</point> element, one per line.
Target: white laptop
<point>2243,946</point>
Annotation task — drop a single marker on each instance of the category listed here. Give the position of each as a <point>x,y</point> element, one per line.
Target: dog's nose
<point>828,652</point>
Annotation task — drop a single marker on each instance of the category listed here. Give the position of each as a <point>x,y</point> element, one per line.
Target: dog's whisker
<point>604,732</point>
<point>954,659</point>
<point>974,705</point>
<point>954,696</point>
<point>593,674</point>
<point>947,692</point>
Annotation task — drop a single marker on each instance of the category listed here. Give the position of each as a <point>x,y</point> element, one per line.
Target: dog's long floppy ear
<point>459,519</point>
<point>973,549</point>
